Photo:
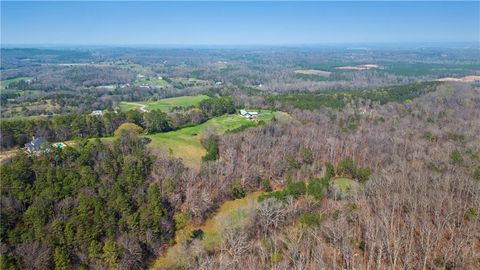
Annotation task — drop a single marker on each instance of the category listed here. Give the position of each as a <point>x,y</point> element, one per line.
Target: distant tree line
<point>382,95</point>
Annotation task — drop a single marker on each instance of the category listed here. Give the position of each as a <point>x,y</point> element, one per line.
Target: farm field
<point>185,143</point>
<point>358,67</point>
<point>188,81</point>
<point>471,78</point>
<point>235,213</point>
<point>155,82</point>
<point>5,83</point>
<point>313,72</point>
<point>164,104</point>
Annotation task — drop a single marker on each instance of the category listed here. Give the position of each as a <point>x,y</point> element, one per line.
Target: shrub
<point>362,174</point>
<point>429,136</point>
<point>212,150</point>
<point>310,219</point>
<point>456,137</point>
<point>128,127</point>
<point>266,185</point>
<point>276,256</point>
<point>476,174</point>
<point>181,221</point>
<point>278,195</point>
<point>296,189</point>
<point>456,158</point>
<point>237,191</point>
<point>346,166</point>
<point>316,187</point>
<point>362,245</point>
<point>197,234</point>
<point>330,170</point>
<point>471,213</point>
<point>292,161</point>
<point>307,155</point>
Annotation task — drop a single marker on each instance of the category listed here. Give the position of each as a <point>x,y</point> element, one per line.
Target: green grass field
<point>155,82</point>
<point>183,144</point>
<point>164,104</point>
<point>5,83</point>
<point>345,184</point>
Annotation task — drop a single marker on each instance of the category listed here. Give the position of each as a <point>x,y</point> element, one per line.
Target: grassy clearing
<point>236,213</point>
<point>4,155</point>
<point>345,184</point>
<point>313,72</point>
<point>5,83</point>
<point>155,82</point>
<point>188,81</point>
<point>185,145</point>
<point>164,104</point>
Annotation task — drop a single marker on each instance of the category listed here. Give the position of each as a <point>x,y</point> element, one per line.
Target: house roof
<point>244,112</point>
<point>37,141</point>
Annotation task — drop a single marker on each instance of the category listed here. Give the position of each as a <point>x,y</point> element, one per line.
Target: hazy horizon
<point>219,24</point>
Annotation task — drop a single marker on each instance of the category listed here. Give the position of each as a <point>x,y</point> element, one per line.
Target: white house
<point>97,113</point>
<point>249,115</point>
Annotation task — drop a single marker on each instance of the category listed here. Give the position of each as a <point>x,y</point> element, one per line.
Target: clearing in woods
<point>346,185</point>
<point>313,72</point>
<point>231,214</point>
<point>359,67</point>
<point>5,83</point>
<point>163,104</point>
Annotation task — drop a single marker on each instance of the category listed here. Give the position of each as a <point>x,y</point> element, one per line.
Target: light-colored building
<point>97,113</point>
<point>248,114</point>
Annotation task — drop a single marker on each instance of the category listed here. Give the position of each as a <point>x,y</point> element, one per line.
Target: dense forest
<point>89,206</point>
<point>99,205</point>
<point>418,208</point>
<point>348,159</point>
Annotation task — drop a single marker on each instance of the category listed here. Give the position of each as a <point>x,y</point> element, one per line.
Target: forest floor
<point>235,213</point>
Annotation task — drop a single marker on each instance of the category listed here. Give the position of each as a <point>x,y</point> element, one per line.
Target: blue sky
<point>237,23</point>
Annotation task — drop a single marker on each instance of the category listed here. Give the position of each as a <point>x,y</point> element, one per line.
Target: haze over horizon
<point>237,23</point>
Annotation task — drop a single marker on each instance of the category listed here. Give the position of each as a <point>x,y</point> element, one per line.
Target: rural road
<point>142,108</point>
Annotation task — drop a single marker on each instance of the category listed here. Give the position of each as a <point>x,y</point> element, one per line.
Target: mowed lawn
<point>185,143</point>
<point>164,104</point>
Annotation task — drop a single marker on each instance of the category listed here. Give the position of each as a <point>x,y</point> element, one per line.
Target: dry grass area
<point>5,155</point>
<point>470,78</point>
<point>231,213</point>
<point>313,72</point>
<point>359,67</point>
